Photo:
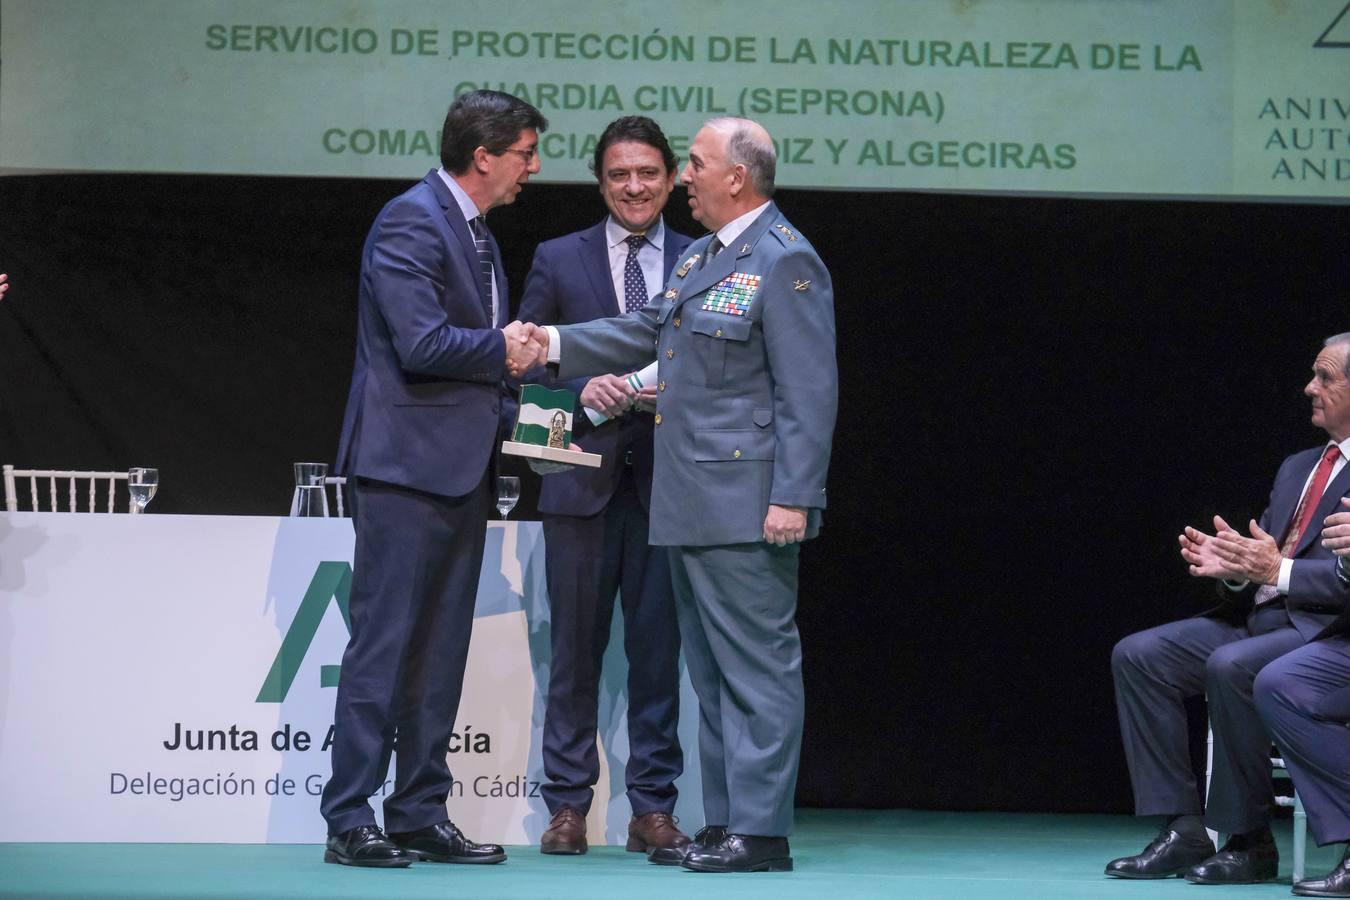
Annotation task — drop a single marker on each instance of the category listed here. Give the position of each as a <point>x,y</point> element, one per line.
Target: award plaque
<point>544,428</point>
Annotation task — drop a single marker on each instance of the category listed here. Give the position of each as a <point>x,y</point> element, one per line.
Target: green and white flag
<point>544,412</point>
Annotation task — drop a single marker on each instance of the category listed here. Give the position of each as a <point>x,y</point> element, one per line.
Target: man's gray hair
<point>745,148</point>
<point>1342,338</point>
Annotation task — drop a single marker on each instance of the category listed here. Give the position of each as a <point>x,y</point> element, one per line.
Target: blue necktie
<point>483,243</point>
<point>635,294</point>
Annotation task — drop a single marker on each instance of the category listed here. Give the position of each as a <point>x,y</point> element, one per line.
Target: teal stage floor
<point>839,854</point>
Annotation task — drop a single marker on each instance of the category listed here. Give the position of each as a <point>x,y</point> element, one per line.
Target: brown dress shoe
<point>653,831</point>
<point>566,834</point>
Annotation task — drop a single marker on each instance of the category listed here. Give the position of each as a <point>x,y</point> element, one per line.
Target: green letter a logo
<point>331,581</point>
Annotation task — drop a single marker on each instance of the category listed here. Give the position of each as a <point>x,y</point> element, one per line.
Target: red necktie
<point>1313,496</point>
<point>1302,517</point>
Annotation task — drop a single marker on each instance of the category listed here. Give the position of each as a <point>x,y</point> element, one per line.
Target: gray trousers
<point>1156,670</point>
<point>737,606</point>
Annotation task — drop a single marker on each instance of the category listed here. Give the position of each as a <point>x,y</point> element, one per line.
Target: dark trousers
<point>414,583</point>
<point>737,607</point>
<point>1156,670</point>
<point>1304,699</point>
<point>588,560</point>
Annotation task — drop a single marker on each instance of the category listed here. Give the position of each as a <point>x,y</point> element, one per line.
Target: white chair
<point>72,486</point>
<point>339,483</point>
<point>1278,770</point>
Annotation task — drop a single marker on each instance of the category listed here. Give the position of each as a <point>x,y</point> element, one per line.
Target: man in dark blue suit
<point>1304,696</point>
<point>1220,655</point>
<point>422,421</point>
<point>595,520</point>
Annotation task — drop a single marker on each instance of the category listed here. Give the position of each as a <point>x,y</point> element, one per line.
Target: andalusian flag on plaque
<point>544,428</point>
<point>545,417</point>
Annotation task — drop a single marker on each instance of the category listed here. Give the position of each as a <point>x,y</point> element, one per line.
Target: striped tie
<point>483,244</point>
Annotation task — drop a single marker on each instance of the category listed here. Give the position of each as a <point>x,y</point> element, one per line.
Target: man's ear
<point>480,160</point>
<point>737,180</point>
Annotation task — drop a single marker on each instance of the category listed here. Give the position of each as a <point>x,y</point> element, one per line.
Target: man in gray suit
<point>745,408</point>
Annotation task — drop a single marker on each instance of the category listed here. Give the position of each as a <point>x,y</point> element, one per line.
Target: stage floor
<point>838,854</point>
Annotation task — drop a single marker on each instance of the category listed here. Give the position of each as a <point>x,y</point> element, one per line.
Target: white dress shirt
<point>651,257</point>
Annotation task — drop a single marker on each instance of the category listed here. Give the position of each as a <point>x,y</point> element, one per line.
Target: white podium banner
<point>171,678</point>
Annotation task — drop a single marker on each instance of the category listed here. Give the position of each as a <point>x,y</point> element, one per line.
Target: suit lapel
<point>454,217</point>
<point>724,263</point>
<point>499,275</point>
<point>672,255</point>
<point>1284,496</point>
<point>593,248</point>
<point>1330,502</point>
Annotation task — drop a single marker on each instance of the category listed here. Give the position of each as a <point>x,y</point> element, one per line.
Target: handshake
<point>526,347</point>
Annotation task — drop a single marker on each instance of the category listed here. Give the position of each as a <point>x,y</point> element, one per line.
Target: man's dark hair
<point>488,119</point>
<point>633,128</point>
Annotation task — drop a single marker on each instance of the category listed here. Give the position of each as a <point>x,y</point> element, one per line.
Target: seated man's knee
<point>1227,667</point>
<point>1133,651</point>
<point>1268,690</point>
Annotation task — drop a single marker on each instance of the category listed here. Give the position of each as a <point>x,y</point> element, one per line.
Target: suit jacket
<point>426,397</point>
<point>570,281</point>
<point>1315,595</point>
<point>746,397</point>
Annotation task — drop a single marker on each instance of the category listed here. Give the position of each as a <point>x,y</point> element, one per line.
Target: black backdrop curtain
<point>1036,395</point>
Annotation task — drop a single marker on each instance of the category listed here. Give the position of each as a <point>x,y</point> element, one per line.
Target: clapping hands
<point>1228,555</point>
<point>526,347</point>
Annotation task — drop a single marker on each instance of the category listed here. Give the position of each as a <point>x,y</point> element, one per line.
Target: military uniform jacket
<point>747,387</point>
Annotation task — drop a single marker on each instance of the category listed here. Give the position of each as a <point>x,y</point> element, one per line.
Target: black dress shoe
<point>364,845</point>
<point>1169,854</point>
<point>445,843</point>
<point>1238,863</point>
<point>741,853</point>
<point>1336,883</point>
<point>707,836</point>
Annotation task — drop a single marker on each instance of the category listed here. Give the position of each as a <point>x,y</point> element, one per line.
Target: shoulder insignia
<point>787,233</point>
<point>684,268</point>
<point>800,285</point>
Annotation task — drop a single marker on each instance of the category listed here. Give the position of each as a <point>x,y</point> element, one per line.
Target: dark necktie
<point>1302,518</point>
<point>635,294</point>
<point>483,244</point>
<point>714,247</point>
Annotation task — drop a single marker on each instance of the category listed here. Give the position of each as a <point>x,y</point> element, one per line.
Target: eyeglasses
<point>527,155</point>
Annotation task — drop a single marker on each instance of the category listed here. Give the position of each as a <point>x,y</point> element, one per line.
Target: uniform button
<point>661,386</point>
<point>737,454</point>
<point>670,354</point>
<point>717,333</point>
<point>677,321</point>
<point>658,419</point>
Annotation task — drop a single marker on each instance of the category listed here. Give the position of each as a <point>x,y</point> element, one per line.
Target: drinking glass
<point>143,483</point>
<point>508,492</point>
<point>310,497</point>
